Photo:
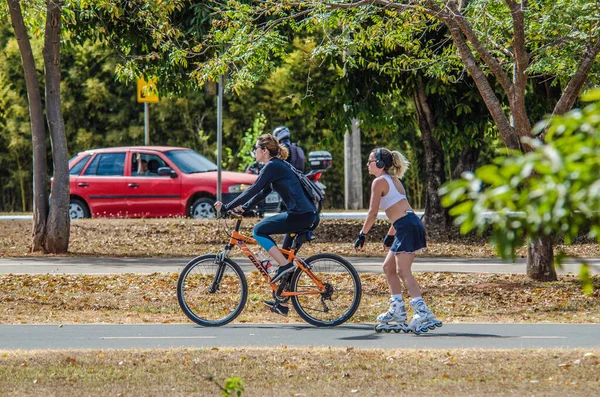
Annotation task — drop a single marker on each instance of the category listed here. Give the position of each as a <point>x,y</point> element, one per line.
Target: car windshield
<point>190,162</point>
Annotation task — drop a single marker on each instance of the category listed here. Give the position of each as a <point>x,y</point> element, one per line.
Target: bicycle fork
<point>220,261</point>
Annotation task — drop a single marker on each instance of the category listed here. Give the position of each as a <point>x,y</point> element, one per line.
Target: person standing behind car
<point>296,157</point>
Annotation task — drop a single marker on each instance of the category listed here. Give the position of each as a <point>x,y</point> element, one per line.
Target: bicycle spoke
<point>211,293</point>
<point>341,298</point>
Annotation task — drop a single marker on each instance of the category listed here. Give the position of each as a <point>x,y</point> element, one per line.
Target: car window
<point>190,162</point>
<point>107,164</point>
<point>76,169</point>
<point>150,163</point>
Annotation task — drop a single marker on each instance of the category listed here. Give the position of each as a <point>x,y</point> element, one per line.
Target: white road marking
<point>158,337</point>
<point>543,337</point>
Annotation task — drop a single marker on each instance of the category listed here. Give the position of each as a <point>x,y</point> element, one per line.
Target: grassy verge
<point>188,237</point>
<point>301,372</point>
<point>132,298</point>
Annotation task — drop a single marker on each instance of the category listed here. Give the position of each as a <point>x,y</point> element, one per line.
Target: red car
<point>163,181</point>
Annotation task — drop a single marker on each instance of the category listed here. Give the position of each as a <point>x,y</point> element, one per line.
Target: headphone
<point>379,163</point>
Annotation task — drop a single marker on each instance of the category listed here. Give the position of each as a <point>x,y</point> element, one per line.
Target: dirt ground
<point>188,237</point>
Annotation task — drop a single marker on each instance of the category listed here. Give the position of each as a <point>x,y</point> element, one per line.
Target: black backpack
<point>314,192</point>
<point>297,158</point>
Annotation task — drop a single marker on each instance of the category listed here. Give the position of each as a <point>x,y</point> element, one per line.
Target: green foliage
<point>552,191</point>
<point>248,141</point>
<point>233,386</point>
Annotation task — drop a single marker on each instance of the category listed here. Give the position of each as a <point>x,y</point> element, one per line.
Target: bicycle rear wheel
<point>212,293</point>
<point>341,298</point>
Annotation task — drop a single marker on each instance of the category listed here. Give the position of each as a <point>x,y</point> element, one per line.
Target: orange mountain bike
<point>325,289</point>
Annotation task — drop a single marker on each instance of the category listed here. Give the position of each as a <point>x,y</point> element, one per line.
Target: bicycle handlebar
<point>230,213</point>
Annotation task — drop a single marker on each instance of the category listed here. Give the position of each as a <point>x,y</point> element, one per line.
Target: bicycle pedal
<point>277,308</point>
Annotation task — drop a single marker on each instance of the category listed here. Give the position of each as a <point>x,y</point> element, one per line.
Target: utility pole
<point>353,197</point>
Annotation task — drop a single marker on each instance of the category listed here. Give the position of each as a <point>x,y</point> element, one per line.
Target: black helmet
<point>281,133</point>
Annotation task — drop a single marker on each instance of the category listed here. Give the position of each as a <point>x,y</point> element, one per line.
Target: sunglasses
<point>257,147</point>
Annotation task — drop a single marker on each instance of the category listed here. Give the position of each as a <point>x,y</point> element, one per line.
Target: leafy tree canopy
<point>551,191</point>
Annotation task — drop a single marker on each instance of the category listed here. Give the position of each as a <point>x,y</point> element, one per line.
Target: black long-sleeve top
<point>278,176</point>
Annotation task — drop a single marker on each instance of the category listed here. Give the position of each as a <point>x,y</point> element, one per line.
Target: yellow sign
<point>146,91</point>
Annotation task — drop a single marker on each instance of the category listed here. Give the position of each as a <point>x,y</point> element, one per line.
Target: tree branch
<point>455,17</point>
<point>573,88</point>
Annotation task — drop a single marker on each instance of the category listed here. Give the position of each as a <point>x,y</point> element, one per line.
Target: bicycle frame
<point>240,240</point>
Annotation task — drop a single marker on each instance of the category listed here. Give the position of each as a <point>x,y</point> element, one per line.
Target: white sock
<point>416,299</point>
<point>397,297</point>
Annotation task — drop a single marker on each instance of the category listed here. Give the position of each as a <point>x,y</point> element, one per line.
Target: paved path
<point>450,336</point>
<point>88,265</point>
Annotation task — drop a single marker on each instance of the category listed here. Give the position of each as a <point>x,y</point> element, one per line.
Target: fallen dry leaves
<point>177,237</point>
<point>135,298</point>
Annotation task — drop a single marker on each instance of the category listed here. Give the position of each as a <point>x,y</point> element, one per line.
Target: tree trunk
<point>58,224</point>
<point>467,161</point>
<point>353,168</point>
<point>539,255</point>
<point>435,217</point>
<point>38,131</point>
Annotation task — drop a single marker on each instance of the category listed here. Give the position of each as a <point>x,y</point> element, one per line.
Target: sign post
<point>146,93</point>
<point>219,138</point>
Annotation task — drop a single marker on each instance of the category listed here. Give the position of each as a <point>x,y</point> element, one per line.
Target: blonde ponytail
<point>399,165</point>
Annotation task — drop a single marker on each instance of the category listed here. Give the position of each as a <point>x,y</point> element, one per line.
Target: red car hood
<point>228,178</point>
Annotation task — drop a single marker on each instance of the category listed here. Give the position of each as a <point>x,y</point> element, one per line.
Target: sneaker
<point>282,271</point>
<point>277,308</point>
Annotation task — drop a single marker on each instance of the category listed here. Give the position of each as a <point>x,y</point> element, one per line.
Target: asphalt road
<point>450,336</point>
<point>88,265</point>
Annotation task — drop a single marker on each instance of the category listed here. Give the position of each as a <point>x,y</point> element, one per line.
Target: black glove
<point>360,240</point>
<point>388,240</point>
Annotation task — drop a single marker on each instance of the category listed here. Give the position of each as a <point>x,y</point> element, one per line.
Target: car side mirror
<point>167,171</point>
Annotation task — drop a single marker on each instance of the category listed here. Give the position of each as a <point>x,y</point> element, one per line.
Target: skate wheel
<point>406,331</point>
<point>432,326</point>
<point>378,330</point>
<point>438,324</point>
<point>396,330</point>
<point>387,331</point>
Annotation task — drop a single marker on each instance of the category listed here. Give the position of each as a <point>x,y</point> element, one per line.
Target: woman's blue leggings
<point>283,223</point>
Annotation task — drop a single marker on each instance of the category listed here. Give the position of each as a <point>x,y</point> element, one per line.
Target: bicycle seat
<point>302,236</point>
<point>297,238</point>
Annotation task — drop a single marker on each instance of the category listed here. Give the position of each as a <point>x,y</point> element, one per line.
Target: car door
<point>103,184</point>
<point>150,194</point>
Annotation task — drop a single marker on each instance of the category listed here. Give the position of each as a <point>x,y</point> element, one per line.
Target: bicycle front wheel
<point>210,292</point>
<point>338,302</point>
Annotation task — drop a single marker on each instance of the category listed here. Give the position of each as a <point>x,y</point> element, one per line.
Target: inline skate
<point>394,319</point>
<point>423,320</point>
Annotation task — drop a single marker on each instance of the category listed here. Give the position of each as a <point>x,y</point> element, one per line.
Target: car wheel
<point>203,208</point>
<point>78,209</point>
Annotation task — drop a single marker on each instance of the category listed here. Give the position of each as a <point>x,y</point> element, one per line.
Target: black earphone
<point>379,163</point>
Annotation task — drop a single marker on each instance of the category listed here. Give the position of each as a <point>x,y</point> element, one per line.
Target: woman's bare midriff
<point>398,210</point>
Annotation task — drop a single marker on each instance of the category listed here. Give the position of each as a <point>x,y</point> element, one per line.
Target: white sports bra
<point>392,197</point>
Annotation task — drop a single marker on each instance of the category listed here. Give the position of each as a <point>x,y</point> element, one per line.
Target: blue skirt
<point>410,234</point>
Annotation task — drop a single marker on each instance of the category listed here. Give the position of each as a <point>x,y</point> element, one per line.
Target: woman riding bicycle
<point>278,176</point>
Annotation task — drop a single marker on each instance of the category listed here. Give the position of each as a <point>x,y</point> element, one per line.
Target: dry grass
<point>151,298</point>
<point>188,237</point>
<point>301,372</point>
<point>132,298</point>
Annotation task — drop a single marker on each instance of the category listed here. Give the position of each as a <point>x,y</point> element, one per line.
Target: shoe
<point>277,308</point>
<point>282,271</point>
